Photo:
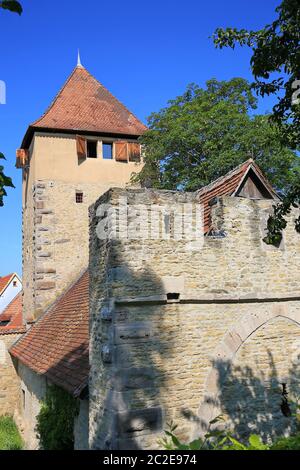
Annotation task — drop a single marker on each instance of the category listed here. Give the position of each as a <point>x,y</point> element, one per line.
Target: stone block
<point>133,333</point>
<point>45,285</point>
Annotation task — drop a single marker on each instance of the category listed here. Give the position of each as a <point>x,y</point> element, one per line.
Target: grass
<point>10,438</point>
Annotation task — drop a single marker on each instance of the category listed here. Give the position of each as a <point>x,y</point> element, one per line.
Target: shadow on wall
<point>251,404</point>
<point>125,386</point>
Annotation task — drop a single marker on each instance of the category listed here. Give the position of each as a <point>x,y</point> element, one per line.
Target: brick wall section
<point>153,361</point>
<point>9,380</point>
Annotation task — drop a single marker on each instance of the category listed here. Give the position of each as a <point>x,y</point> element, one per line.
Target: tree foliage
<point>275,66</point>
<point>5,181</point>
<point>224,439</point>
<point>12,5</point>
<point>10,438</point>
<point>55,421</point>
<point>204,133</point>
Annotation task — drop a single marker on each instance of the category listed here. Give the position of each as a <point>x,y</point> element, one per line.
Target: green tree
<point>12,5</point>
<point>275,66</point>
<point>204,133</point>
<point>5,181</point>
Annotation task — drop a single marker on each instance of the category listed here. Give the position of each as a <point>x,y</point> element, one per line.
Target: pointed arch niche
<point>256,356</point>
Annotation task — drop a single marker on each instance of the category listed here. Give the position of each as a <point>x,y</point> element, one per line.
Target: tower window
<point>79,197</point>
<point>91,148</point>
<point>107,149</point>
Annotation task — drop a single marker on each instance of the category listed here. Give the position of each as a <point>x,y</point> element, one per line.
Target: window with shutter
<point>134,150</point>
<point>121,151</point>
<point>81,146</point>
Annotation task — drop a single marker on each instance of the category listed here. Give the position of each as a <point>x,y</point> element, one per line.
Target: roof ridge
<point>34,123</point>
<point>230,173</point>
<point>9,276</point>
<point>113,96</point>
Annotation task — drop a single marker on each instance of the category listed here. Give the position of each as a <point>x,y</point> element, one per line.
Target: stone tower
<point>85,143</point>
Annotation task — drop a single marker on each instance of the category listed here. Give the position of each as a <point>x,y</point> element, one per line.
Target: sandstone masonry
<point>224,344</point>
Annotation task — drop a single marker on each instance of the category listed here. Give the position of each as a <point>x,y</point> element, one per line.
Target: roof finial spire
<point>79,64</point>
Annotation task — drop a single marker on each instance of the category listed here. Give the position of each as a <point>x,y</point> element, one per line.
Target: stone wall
<point>81,426</point>
<point>9,380</point>
<point>225,345</point>
<point>33,390</point>
<point>60,248</point>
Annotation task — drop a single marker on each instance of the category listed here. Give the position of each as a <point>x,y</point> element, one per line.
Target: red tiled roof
<point>4,281</point>
<point>83,104</point>
<point>226,186</point>
<point>13,315</point>
<point>57,345</point>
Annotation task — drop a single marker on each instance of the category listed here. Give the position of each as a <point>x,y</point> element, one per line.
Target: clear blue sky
<point>144,52</point>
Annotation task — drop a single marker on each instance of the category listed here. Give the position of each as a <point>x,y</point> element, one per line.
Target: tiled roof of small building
<point>57,345</point>
<point>226,186</point>
<point>13,315</point>
<point>84,104</point>
<point>4,281</point>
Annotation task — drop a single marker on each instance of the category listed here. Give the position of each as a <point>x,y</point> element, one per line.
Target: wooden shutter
<point>81,146</point>
<point>134,152</point>
<point>121,151</point>
<point>22,158</point>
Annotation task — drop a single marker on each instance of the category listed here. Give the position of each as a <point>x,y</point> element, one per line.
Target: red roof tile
<point>13,315</point>
<point>57,345</point>
<point>226,186</point>
<point>83,104</point>
<point>4,281</point>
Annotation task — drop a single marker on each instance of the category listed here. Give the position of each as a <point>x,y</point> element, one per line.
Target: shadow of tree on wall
<point>132,395</point>
<point>253,404</point>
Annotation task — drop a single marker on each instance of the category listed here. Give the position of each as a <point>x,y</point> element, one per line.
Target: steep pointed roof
<point>85,105</point>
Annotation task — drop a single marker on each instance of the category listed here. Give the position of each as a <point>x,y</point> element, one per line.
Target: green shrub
<point>55,421</point>
<point>224,440</point>
<point>287,443</point>
<point>10,438</point>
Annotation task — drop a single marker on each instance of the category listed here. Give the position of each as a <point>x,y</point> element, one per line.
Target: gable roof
<point>13,315</point>
<point>229,185</point>
<point>5,281</point>
<point>85,105</point>
<point>57,345</point>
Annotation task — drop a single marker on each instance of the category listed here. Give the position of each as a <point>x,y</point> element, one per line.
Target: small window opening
<point>285,407</point>
<point>173,296</point>
<point>91,148</point>
<point>14,283</point>
<point>4,322</point>
<point>79,197</point>
<point>107,150</point>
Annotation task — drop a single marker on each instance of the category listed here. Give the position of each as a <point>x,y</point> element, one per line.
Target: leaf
<point>12,5</point>
<point>256,442</point>
<point>238,445</point>
<point>196,444</point>
<point>217,419</point>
